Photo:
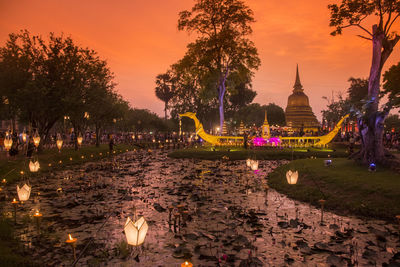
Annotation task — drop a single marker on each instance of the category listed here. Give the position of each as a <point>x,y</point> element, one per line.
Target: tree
<point>165,89</point>
<point>44,80</point>
<point>392,122</point>
<point>336,110</point>
<point>391,84</point>
<point>221,49</point>
<point>352,13</point>
<point>241,96</point>
<point>357,92</point>
<point>255,114</point>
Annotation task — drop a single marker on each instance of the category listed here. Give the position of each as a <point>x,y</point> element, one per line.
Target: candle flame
<point>186,263</point>
<point>14,200</point>
<point>37,212</point>
<point>70,237</point>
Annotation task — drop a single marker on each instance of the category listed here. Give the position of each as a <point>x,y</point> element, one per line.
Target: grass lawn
<point>10,169</point>
<point>236,153</point>
<point>348,188</point>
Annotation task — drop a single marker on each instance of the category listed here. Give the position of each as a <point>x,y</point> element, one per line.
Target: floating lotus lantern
<point>248,162</point>
<point>23,135</point>
<point>34,166</point>
<point>136,232</point>
<point>79,139</point>
<point>187,264</point>
<point>24,192</point>
<point>8,142</point>
<point>254,165</point>
<point>59,143</point>
<point>36,139</point>
<point>292,177</point>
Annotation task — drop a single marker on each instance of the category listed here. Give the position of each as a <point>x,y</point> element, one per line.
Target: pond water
<point>227,218</point>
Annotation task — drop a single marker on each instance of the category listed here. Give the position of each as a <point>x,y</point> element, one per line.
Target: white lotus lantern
<point>34,166</point>
<point>36,140</point>
<point>8,142</point>
<point>135,232</point>
<point>292,177</point>
<point>254,165</point>
<point>248,162</point>
<point>79,139</point>
<point>59,144</point>
<point>24,192</point>
<point>23,135</point>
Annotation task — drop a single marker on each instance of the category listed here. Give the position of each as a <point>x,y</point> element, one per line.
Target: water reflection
<point>214,212</point>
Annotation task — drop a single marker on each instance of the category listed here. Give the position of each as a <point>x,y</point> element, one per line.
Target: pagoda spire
<point>297,84</point>
<point>265,119</point>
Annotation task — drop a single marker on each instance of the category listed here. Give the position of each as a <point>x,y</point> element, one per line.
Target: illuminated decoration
<point>259,141</point>
<point>241,128</point>
<point>7,142</point>
<point>187,264</point>
<point>180,126</point>
<point>36,139</point>
<point>318,141</point>
<point>328,162</point>
<point>71,240</point>
<point>135,232</point>
<point>59,142</point>
<point>34,166</point>
<point>23,135</point>
<point>266,133</point>
<point>248,162</point>
<point>79,139</point>
<point>86,115</point>
<point>372,167</point>
<point>216,140</point>
<point>24,192</point>
<point>224,129</point>
<point>292,177</point>
<point>212,139</point>
<point>254,165</point>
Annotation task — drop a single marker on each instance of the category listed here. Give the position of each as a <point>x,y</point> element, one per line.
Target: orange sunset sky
<point>140,39</point>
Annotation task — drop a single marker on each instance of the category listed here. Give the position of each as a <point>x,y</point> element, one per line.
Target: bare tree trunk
<point>221,94</point>
<point>97,135</point>
<point>165,110</point>
<point>371,124</point>
<point>221,107</point>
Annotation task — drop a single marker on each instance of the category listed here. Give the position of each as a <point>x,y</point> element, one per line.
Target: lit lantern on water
<point>186,264</point>
<point>79,139</point>
<point>23,135</point>
<point>8,142</point>
<point>136,232</point>
<point>36,140</point>
<point>59,144</point>
<point>254,165</point>
<point>34,166</point>
<point>292,177</point>
<point>24,192</point>
<point>328,162</point>
<point>248,162</point>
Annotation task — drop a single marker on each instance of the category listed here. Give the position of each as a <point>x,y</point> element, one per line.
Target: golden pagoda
<point>298,113</point>
<point>265,128</point>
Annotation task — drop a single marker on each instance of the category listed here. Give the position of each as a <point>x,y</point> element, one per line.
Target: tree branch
<point>369,39</point>
<point>388,29</point>
<point>358,25</point>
